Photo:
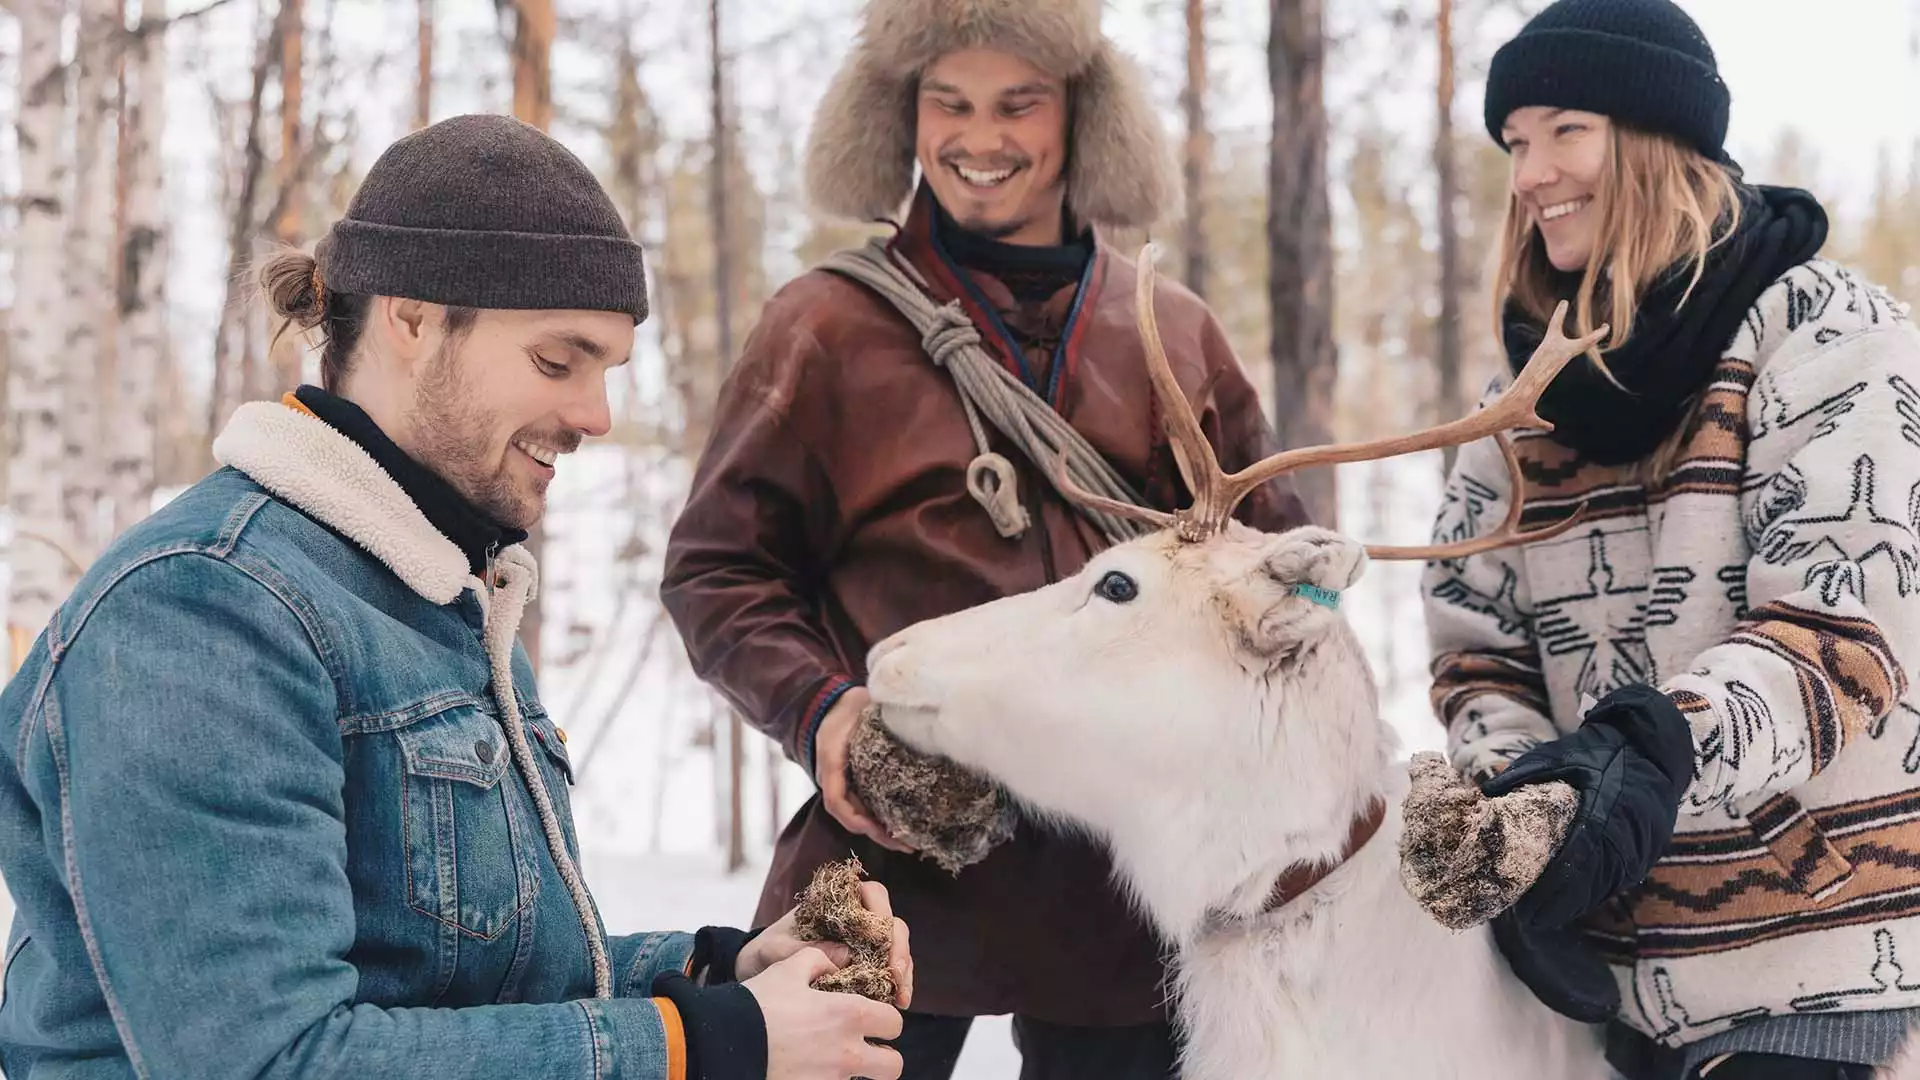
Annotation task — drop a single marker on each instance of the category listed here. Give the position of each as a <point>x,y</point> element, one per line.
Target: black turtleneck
<point>476,535</point>
<point>1032,274</point>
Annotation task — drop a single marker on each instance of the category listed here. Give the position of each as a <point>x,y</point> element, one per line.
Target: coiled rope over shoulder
<point>987,387</point>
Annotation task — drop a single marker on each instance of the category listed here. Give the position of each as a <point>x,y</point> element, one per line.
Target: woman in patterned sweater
<point>1717,655</point>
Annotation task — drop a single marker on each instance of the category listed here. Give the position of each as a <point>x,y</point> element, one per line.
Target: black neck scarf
<point>1032,274</point>
<point>1671,354</point>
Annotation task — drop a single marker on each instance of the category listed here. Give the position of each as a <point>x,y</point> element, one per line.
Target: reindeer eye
<point>1117,587</point>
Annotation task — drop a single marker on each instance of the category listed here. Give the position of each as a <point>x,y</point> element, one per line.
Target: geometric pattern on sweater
<point>1857,861</point>
<point>1769,583</point>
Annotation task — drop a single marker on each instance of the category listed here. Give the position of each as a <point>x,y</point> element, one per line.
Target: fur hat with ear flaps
<point>860,159</point>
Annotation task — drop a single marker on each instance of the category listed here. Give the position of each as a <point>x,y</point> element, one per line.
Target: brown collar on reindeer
<point>1296,880</point>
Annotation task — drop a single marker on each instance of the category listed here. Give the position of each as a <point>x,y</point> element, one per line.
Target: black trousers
<point>930,1047</point>
<point>1774,1067</point>
<point>1640,1058</point>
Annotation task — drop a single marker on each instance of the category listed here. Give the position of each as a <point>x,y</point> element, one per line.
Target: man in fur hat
<point>832,506</point>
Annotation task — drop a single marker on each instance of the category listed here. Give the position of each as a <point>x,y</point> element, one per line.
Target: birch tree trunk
<point>423,80</point>
<point>143,285</point>
<point>41,577</point>
<point>89,272</point>
<point>288,351</point>
<point>230,373</point>
<point>1300,242</point>
<point>1446,166</point>
<point>723,324</point>
<point>1199,147</point>
<point>533,30</point>
<point>6,369</point>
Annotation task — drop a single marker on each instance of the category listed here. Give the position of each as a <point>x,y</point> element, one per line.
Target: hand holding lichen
<point>1466,858</point>
<point>946,813</point>
<point>830,910</point>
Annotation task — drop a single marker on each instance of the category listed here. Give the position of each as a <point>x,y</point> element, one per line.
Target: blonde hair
<point>1658,204</point>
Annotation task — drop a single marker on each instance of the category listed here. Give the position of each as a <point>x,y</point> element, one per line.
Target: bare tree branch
<point>159,24</point>
<point>319,145</point>
<point>242,227</point>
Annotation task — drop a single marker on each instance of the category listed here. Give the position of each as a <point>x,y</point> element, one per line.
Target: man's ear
<point>403,327</point>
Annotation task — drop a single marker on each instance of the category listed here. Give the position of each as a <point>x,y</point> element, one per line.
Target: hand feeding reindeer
<point>1195,699</point>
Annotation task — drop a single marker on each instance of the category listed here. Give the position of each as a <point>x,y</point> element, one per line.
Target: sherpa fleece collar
<point>328,477</point>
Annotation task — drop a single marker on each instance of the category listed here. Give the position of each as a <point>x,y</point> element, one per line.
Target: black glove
<point>1563,971</point>
<point>1630,761</point>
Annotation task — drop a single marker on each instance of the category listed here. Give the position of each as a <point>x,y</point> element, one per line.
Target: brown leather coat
<point>830,510</point>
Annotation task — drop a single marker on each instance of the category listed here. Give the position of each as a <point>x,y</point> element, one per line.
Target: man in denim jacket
<point>279,798</point>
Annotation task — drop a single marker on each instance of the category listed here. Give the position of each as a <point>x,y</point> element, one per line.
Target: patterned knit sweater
<point>1769,583</point>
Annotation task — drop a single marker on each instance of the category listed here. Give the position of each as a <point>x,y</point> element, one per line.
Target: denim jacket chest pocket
<point>556,766</point>
<point>469,838</point>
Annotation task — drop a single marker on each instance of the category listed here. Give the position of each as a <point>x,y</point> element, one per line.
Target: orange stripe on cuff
<point>296,404</point>
<point>676,1038</point>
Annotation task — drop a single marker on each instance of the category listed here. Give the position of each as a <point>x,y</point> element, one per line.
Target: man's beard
<point>980,226</point>
<point>453,437</point>
<point>994,230</point>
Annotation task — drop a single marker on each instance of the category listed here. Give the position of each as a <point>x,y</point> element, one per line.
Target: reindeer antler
<point>1216,493</point>
<point>1507,535</point>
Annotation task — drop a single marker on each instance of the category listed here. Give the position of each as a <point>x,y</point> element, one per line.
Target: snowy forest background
<point>152,150</point>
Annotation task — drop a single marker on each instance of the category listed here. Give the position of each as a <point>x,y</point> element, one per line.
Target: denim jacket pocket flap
<point>461,743</point>
<point>547,735</point>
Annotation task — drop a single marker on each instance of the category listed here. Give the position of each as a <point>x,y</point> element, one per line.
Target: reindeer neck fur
<point>1354,980</point>
<point>1351,978</point>
<point>1210,850</point>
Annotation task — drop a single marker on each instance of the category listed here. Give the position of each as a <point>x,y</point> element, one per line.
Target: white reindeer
<point>1189,700</point>
<point>1194,698</point>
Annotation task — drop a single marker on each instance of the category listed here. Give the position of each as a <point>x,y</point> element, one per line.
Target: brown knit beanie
<point>485,211</point>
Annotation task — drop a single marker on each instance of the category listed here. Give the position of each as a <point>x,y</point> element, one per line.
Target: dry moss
<point>948,814</point>
<point>1466,858</point>
<point>830,910</point>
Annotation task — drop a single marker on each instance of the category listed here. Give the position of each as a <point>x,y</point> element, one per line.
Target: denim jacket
<point>279,800</point>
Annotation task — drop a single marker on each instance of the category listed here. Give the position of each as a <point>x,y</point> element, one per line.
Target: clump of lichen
<point>948,814</point>
<point>1466,858</point>
<point>830,910</point>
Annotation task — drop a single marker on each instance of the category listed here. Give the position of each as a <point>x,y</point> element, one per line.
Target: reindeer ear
<point>1266,606</point>
<point>1310,555</point>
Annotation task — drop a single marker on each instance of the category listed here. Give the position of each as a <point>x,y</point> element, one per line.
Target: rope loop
<point>993,484</point>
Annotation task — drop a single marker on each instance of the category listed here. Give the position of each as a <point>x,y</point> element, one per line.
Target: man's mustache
<point>565,440</point>
<point>992,163</point>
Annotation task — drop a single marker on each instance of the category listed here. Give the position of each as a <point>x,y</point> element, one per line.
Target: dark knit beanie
<point>485,211</point>
<point>1641,62</point>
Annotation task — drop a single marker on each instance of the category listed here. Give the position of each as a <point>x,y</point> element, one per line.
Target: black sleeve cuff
<point>726,1034</point>
<point>717,948</point>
